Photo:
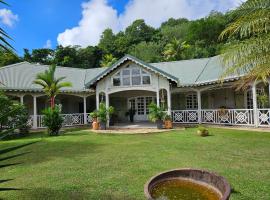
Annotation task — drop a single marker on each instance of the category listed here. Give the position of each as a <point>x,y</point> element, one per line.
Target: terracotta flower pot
<point>168,124</point>
<point>95,125</point>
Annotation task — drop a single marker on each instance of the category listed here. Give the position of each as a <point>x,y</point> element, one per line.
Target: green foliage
<point>174,50</point>
<point>103,112</point>
<point>168,117</point>
<point>108,60</point>
<point>13,116</point>
<point>53,120</point>
<point>202,131</point>
<point>8,58</point>
<point>50,84</point>
<point>156,113</point>
<point>166,43</point>
<point>148,52</point>
<point>248,47</point>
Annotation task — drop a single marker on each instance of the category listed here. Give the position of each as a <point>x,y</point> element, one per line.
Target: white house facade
<point>189,90</point>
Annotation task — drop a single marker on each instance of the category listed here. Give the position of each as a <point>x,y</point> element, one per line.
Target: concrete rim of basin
<point>207,177</point>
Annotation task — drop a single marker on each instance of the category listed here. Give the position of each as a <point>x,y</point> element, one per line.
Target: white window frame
<point>191,101</point>
<point>130,76</point>
<point>249,97</point>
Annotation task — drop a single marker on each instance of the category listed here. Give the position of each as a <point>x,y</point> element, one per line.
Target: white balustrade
<point>263,117</point>
<point>75,119</point>
<point>218,116</point>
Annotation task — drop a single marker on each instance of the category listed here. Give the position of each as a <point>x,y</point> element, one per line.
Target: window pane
<point>136,80</point>
<point>135,71</point>
<point>116,81</point>
<point>126,72</point>
<point>126,80</point>
<point>146,80</point>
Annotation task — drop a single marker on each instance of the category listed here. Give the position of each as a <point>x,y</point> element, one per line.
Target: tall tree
<point>174,50</point>
<point>8,58</point>
<point>147,51</point>
<point>50,84</point>
<point>251,53</point>
<point>4,44</point>
<point>44,56</point>
<point>107,41</point>
<point>108,60</point>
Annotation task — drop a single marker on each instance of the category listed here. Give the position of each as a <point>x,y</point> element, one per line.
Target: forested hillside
<point>175,39</point>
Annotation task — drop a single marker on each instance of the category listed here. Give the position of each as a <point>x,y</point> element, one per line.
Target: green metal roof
<point>185,73</point>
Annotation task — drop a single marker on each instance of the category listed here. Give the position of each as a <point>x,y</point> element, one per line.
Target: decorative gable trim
<point>136,61</point>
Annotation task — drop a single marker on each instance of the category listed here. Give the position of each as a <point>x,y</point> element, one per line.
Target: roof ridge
<point>203,69</point>
<point>15,64</point>
<point>181,60</point>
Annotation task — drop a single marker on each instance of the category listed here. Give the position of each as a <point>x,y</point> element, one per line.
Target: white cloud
<point>98,15</point>
<point>7,17</point>
<point>48,44</point>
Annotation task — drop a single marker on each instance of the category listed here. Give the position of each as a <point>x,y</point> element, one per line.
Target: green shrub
<point>156,113</point>
<point>202,131</point>
<point>103,112</point>
<point>53,120</point>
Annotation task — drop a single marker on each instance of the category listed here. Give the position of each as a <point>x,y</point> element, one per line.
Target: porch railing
<point>244,117</point>
<point>74,119</point>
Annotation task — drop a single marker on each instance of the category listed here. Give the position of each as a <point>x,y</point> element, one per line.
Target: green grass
<point>84,165</point>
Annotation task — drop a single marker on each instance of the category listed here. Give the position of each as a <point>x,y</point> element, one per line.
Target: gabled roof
<point>137,61</point>
<point>186,73</point>
<point>196,72</point>
<point>20,77</point>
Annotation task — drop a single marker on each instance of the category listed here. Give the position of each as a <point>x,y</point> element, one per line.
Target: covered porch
<point>222,105</point>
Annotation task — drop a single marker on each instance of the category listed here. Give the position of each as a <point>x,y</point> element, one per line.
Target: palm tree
<point>248,47</point>
<point>173,50</point>
<point>50,84</point>
<point>4,44</point>
<point>108,60</point>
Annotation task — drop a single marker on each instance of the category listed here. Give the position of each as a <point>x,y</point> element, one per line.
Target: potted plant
<point>131,112</point>
<point>156,114</point>
<point>168,122</point>
<point>103,113</point>
<point>202,131</point>
<point>94,116</point>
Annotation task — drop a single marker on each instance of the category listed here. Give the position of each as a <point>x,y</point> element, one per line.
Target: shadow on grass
<point>7,150</point>
<point>74,194</point>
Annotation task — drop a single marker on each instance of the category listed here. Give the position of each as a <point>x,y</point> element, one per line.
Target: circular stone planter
<point>206,178</point>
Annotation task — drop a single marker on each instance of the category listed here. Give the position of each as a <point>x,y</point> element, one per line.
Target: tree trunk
<point>52,102</point>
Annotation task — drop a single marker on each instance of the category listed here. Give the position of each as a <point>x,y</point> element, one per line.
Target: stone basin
<point>206,179</point>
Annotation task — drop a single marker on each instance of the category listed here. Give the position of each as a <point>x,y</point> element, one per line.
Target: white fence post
<point>84,111</point>
<point>255,107</point>
<point>199,106</point>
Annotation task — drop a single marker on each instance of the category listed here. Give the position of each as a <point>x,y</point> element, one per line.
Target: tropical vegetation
<point>248,46</point>
<point>50,84</point>
<point>13,117</point>
<point>52,120</point>
<point>167,42</point>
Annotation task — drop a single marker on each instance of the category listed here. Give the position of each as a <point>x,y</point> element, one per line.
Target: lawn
<point>85,165</point>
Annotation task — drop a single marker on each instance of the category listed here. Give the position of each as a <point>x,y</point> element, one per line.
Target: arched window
<point>191,101</point>
<point>131,76</point>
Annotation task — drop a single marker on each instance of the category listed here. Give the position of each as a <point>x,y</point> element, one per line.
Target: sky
<point>48,23</point>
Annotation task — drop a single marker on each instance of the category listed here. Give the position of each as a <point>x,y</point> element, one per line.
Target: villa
<point>190,90</point>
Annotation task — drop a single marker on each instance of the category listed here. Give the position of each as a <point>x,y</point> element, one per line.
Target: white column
<point>84,110</point>
<point>107,106</point>
<point>269,93</point>
<point>97,100</point>
<point>35,112</point>
<point>255,107</point>
<point>21,99</point>
<point>199,106</point>
<point>169,101</point>
<point>158,91</point>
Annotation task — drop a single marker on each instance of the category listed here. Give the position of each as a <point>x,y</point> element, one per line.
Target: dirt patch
<point>132,131</point>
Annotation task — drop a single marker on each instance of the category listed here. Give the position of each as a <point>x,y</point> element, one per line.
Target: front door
<point>140,104</point>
